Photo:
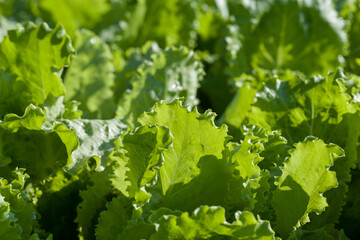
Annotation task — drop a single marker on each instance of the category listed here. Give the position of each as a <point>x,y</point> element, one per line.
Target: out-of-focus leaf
<point>245,97</point>
<point>129,62</point>
<point>5,26</point>
<point>17,10</point>
<point>354,38</point>
<point>73,14</point>
<point>90,77</point>
<point>173,73</point>
<point>167,22</point>
<point>304,35</point>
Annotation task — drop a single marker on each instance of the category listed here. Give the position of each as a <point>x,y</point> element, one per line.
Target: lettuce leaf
<point>43,52</point>
<point>165,75</point>
<point>305,176</point>
<point>90,77</point>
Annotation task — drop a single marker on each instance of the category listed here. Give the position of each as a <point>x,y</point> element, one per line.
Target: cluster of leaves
<point>101,135</point>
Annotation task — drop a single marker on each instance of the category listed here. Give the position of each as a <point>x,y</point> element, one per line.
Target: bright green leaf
<point>305,176</point>
<point>195,135</point>
<point>31,59</point>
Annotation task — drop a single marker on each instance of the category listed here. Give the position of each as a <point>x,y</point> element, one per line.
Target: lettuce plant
<point>106,130</point>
